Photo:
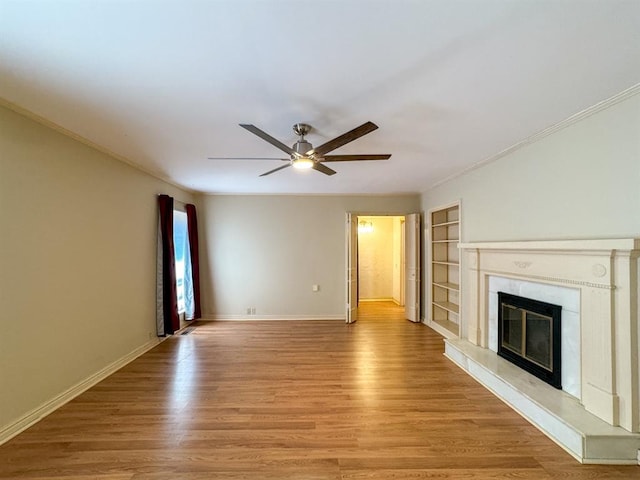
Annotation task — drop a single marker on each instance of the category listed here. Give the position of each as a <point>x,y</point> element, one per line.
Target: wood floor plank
<point>292,400</point>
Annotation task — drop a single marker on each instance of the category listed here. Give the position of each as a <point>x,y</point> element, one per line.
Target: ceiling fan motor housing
<point>302,147</point>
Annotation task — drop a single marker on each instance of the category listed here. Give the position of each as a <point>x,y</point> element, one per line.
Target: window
<point>180,240</point>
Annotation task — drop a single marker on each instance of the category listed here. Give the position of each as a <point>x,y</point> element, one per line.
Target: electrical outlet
<point>253,310</point>
<point>248,310</point>
<point>315,288</point>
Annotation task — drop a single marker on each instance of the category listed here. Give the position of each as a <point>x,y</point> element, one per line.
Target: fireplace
<point>596,415</point>
<point>529,335</point>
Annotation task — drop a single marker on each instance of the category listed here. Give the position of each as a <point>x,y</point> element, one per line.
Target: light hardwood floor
<point>292,400</point>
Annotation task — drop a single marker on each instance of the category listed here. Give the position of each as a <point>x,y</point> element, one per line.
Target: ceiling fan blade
<point>323,168</point>
<point>265,136</point>
<point>275,170</point>
<point>248,158</point>
<point>354,158</point>
<point>345,138</point>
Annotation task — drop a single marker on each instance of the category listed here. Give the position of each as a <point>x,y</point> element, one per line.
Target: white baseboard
<point>38,413</point>
<point>212,318</point>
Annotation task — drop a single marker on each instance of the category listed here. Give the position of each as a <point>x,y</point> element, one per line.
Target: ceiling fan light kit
<point>302,163</point>
<point>303,156</point>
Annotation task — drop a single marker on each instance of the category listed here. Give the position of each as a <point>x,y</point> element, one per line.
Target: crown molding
<point>592,110</point>
<point>78,138</point>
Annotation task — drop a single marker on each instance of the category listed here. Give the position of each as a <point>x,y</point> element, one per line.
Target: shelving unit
<point>444,308</point>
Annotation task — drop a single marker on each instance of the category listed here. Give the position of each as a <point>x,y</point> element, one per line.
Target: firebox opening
<point>529,336</point>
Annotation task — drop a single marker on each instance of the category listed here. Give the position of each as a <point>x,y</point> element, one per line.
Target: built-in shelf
<point>444,224</point>
<point>447,285</point>
<point>444,235</point>
<point>448,306</point>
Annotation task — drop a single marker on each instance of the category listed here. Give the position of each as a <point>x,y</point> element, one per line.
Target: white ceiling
<point>450,83</point>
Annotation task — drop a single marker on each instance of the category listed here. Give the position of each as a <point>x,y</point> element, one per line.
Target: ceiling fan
<point>303,156</point>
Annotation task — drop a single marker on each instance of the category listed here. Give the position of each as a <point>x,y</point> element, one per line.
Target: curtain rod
<point>184,204</point>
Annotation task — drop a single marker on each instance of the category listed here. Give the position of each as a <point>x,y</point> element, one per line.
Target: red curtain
<point>169,294</point>
<point>192,226</point>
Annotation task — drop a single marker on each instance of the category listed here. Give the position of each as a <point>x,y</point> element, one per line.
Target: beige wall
<point>77,262</point>
<point>267,252</point>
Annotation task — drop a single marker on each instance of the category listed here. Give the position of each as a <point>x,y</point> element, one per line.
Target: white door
<point>403,263</point>
<point>352,268</point>
<point>412,269</point>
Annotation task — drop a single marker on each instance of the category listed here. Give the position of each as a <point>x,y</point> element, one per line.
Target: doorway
<point>380,259</point>
<point>380,281</point>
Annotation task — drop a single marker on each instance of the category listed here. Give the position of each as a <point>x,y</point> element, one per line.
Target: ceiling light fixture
<point>302,163</point>
<point>365,227</point>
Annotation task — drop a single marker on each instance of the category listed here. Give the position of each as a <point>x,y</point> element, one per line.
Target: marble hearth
<point>596,416</point>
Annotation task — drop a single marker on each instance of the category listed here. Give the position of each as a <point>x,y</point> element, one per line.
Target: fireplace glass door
<point>529,336</point>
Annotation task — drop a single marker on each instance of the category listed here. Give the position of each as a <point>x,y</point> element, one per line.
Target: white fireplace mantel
<point>605,274</point>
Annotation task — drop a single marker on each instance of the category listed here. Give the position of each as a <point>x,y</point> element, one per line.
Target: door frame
<point>403,261</point>
<point>413,268</point>
<point>351,254</point>
<point>351,264</point>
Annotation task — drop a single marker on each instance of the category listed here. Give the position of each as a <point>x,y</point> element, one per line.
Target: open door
<point>412,267</point>
<point>403,263</point>
<point>352,268</point>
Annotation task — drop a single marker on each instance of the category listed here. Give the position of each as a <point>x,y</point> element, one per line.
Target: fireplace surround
<point>598,419</point>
